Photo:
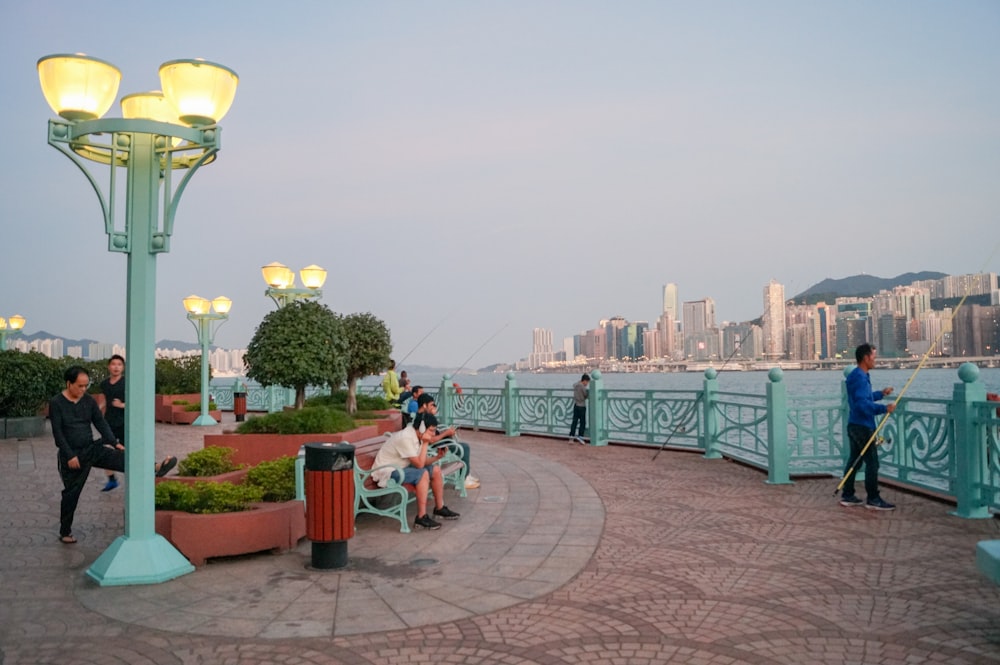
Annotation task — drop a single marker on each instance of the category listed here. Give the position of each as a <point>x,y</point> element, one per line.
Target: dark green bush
<point>209,461</point>
<point>180,402</point>
<point>311,420</point>
<point>178,376</point>
<point>275,478</point>
<point>339,399</point>
<point>27,382</point>
<point>205,497</point>
<point>197,407</point>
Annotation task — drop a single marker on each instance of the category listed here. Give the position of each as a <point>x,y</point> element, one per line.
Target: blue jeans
<point>579,416</point>
<point>859,436</point>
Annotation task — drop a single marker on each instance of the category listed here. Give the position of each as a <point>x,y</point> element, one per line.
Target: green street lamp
<point>9,327</point>
<point>280,282</point>
<point>206,323</point>
<point>158,133</point>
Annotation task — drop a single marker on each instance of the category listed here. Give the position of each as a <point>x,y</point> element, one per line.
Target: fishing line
<point>701,393</point>
<point>480,348</point>
<point>885,417</point>
<point>422,339</point>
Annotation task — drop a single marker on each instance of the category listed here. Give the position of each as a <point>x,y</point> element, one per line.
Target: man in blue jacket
<point>864,406</point>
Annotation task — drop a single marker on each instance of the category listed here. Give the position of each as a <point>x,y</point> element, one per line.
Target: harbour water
<point>926,384</point>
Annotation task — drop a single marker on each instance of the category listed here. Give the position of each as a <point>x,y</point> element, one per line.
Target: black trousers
<point>99,455</point>
<point>579,416</point>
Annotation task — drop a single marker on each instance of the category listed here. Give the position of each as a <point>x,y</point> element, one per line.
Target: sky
<point>467,172</point>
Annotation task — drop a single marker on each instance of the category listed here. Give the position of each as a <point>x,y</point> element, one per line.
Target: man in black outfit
<point>73,412</point>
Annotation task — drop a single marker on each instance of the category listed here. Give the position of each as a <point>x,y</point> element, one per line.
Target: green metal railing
<point>943,446</point>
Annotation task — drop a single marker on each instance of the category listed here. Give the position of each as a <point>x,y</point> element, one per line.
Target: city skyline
<point>556,159</point>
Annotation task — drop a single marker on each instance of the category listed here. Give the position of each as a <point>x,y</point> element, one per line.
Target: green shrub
<point>206,497</point>
<point>181,402</point>
<point>27,382</point>
<point>338,399</point>
<point>275,478</point>
<point>191,408</point>
<point>311,420</point>
<point>178,376</point>
<point>209,461</point>
<point>174,495</point>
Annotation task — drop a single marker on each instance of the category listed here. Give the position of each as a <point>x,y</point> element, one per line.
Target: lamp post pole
<point>280,280</point>
<point>206,324</point>
<point>8,327</point>
<point>160,132</point>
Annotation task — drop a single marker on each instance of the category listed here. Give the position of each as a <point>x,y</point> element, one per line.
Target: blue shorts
<point>411,475</point>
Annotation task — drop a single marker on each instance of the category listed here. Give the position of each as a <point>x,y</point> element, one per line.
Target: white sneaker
<point>471,483</point>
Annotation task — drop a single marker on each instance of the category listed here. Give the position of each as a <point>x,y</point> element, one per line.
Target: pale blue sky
<point>522,163</point>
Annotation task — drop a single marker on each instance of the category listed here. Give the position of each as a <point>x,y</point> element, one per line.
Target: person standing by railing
<point>390,385</point>
<point>580,395</point>
<point>864,406</point>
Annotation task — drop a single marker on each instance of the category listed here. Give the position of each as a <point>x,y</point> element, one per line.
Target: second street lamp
<point>280,280</point>
<point>206,322</point>
<point>11,326</point>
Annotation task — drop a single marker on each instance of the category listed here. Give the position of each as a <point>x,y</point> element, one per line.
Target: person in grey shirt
<point>580,394</point>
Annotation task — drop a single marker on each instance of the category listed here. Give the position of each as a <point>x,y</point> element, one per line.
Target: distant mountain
<point>67,342</point>
<point>859,286</point>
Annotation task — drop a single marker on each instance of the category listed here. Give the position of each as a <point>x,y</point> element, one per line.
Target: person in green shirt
<point>390,384</point>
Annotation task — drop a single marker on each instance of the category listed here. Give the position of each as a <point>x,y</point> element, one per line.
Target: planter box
<point>235,477</point>
<point>252,449</point>
<point>392,421</point>
<point>22,428</point>
<point>182,417</point>
<point>267,526</point>
<point>164,405</point>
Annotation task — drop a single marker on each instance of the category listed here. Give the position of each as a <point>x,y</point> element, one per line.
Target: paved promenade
<point>567,554</point>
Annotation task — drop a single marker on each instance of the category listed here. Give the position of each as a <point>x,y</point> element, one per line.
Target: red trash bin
<point>329,488</point>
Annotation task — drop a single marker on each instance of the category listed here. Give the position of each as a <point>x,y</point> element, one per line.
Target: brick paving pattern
<point>567,554</point>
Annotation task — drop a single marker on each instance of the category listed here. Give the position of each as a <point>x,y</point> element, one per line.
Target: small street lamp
<point>206,323</point>
<point>280,280</point>
<point>158,133</point>
<point>8,327</point>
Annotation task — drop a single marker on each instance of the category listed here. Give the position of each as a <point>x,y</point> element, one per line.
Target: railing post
<point>444,401</point>
<point>709,436</point>
<point>777,429</point>
<point>970,444</point>
<point>511,424</point>
<point>597,427</point>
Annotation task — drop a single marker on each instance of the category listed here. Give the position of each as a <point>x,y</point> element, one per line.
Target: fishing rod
<point>480,348</point>
<point>875,438</point>
<point>422,339</point>
<point>701,393</point>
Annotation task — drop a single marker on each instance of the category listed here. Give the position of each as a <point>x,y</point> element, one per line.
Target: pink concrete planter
<point>181,417</point>
<point>164,405</point>
<point>235,477</point>
<point>267,526</point>
<point>252,449</point>
<point>391,422</point>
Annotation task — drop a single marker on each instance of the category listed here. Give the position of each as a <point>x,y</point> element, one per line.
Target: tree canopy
<point>298,345</point>
<point>369,346</point>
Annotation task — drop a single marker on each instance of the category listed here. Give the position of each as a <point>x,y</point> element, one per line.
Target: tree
<point>369,347</point>
<point>298,345</point>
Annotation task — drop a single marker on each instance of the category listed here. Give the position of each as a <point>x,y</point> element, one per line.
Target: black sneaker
<point>445,513</point>
<point>879,504</point>
<point>850,501</point>
<point>425,522</point>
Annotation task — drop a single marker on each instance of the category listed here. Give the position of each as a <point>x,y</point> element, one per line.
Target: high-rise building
<point>699,316</point>
<point>670,300</point>
<point>541,348</point>
<point>774,321</point>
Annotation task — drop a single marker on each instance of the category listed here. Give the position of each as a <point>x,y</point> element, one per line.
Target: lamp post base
<point>204,419</point>
<point>130,561</point>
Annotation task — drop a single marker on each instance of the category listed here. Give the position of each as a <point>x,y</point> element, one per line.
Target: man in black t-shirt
<point>73,413</point>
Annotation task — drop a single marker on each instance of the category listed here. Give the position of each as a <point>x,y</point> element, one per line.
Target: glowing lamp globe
<point>78,87</point>
<point>222,305</point>
<point>200,91</point>
<point>197,305</point>
<point>277,275</point>
<point>313,277</point>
